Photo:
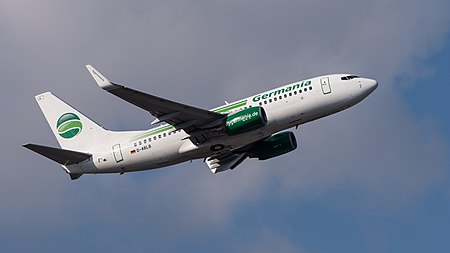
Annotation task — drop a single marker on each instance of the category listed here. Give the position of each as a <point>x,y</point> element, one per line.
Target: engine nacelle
<point>245,120</point>
<point>275,145</point>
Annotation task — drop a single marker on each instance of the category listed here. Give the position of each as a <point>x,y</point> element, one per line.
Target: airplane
<point>252,127</point>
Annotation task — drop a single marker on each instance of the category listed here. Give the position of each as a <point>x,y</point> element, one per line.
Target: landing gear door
<point>325,83</point>
<point>117,153</point>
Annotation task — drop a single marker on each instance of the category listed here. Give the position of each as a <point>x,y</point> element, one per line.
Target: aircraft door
<point>325,83</point>
<point>117,153</point>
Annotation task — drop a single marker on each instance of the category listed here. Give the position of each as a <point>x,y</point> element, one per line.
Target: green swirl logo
<point>69,125</point>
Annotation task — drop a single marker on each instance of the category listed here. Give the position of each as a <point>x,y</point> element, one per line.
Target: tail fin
<point>73,130</point>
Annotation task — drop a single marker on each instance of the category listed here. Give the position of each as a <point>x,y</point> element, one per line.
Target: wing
<point>227,161</point>
<point>181,116</point>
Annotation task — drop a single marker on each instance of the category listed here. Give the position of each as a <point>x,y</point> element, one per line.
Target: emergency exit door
<point>117,153</point>
<point>325,83</point>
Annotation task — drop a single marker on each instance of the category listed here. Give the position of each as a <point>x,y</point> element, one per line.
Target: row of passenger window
<point>290,94</point>
<point>159,136</point>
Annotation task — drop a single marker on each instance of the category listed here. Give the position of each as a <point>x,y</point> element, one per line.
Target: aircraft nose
<point>373,84</point>
<point>370,85</point>
<point>363,87</point>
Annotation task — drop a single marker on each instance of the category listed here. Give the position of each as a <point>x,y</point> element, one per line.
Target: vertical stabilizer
<point>73,130</point>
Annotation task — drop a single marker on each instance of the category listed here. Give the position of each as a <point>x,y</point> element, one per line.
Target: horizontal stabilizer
<point>61,156</point>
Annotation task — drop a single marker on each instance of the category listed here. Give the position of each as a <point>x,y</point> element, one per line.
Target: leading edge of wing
<point>179,115</point>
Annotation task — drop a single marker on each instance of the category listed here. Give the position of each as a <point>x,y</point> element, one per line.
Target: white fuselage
<point>287,106</point>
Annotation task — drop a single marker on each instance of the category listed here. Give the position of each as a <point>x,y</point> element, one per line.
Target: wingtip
<point>99,78</point>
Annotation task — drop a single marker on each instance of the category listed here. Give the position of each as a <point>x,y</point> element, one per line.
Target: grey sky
<point>202,53</point>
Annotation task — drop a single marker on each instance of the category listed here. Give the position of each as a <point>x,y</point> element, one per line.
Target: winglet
<point>100,79</point>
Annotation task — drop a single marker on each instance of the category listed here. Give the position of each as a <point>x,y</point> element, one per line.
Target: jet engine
<point>274,145</point>
<point>246,120</point>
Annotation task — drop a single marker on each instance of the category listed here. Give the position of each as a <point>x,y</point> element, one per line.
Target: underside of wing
<point>181,116</point>
<point>227,161</point>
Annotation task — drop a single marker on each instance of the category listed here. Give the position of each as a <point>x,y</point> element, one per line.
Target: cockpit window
<point>349,77</point>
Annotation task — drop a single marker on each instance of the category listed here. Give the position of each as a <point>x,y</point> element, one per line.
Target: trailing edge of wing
<point>61,156</point>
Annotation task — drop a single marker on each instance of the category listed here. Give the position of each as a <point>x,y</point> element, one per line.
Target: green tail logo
<point>69,125</point>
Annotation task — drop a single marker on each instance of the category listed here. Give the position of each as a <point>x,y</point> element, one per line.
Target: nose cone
<point>371,85</point>
<point>367,86</point>
<point>364,88</point>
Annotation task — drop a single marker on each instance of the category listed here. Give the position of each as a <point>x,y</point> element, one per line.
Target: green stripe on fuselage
<point>227,108</point>
<point>161,129</point>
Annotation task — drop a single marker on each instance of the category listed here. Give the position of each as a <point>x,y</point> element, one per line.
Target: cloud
<point>268,241</point>
<point>378,156</point>
<point>373,152</point>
